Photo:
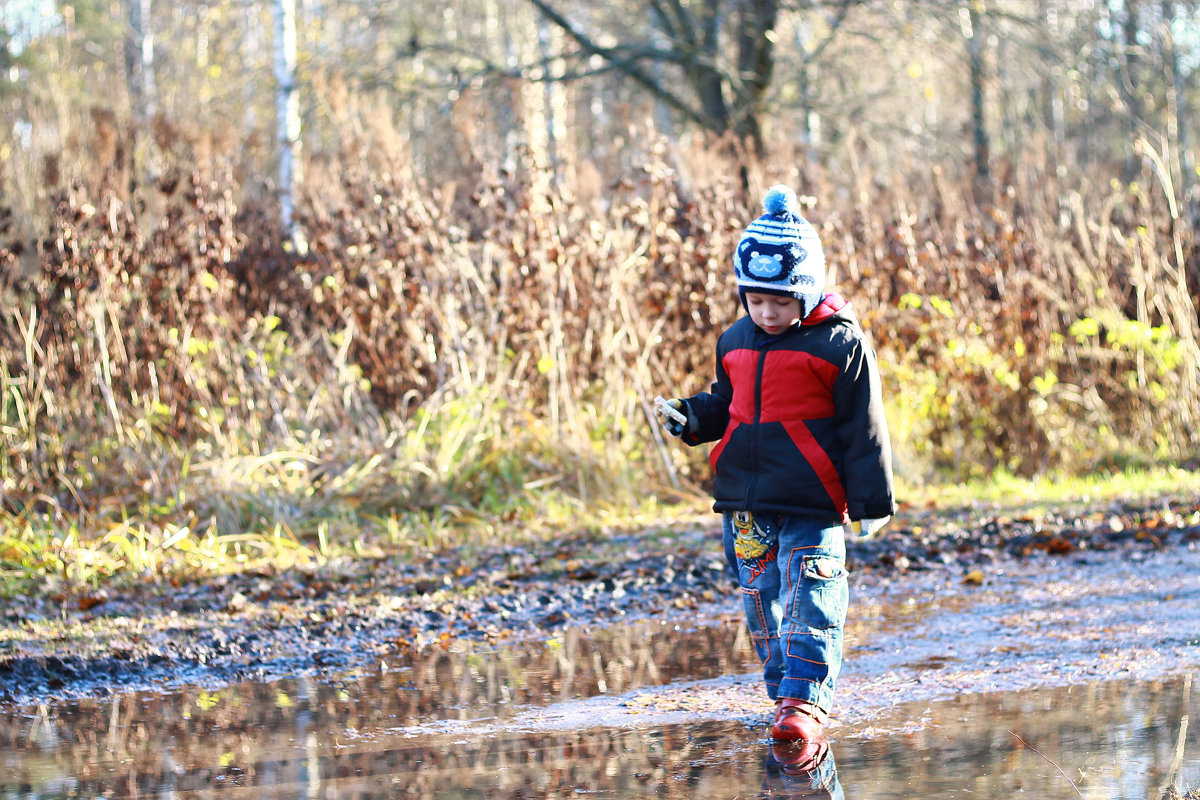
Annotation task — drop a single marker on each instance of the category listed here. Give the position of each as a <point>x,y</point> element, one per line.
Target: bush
<point>459,346</point>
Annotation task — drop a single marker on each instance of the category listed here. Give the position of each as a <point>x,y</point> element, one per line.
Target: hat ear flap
<point>740,255</point>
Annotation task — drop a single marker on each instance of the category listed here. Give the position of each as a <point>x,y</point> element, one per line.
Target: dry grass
<point>180,394</point>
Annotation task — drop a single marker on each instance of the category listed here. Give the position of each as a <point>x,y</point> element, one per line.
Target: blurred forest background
<point>283,276</point>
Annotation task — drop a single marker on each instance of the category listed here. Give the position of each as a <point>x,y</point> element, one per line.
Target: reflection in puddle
<point>470,684</point>
<point>1111,740</point>
<point>355,738</point>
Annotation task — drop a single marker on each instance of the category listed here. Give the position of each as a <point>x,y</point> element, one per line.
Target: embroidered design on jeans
<point>750,541</point>
<point>759,567</point>
<point>754,547</point>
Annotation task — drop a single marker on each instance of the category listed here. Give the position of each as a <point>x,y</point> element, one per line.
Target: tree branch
<point>620,61</point>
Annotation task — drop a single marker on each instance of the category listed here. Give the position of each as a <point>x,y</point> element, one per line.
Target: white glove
<point>866,528</point>
<point>675,415</point>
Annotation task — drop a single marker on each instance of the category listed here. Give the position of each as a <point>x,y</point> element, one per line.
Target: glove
<point>675,416</point>
<point>866,528</point>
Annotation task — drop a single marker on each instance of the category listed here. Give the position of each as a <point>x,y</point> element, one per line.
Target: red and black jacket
<point>798,420</point>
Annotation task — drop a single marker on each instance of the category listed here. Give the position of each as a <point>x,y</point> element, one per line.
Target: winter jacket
<point>798,420</point>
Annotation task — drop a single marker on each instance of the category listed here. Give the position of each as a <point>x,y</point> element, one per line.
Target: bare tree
<point>719,55</point>
<point>467,81</point>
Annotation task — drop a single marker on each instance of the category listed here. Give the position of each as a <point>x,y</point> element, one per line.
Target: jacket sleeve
<point>712,407</point>
<point>863,435</point>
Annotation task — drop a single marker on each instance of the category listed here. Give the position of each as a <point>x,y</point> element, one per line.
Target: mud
<point>350,616</point>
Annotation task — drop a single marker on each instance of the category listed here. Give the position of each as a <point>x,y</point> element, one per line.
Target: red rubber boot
<point>796,720</point>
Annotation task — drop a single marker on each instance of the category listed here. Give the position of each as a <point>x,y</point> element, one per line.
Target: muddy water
<point>460,725</point>
<point>1052,679</point>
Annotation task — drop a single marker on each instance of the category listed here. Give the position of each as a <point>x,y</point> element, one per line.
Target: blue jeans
<point>792,572</point>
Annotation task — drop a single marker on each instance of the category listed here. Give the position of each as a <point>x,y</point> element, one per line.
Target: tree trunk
<point>551,103</point>
<point>1051,100</point>
<point>708,82</point>
<point>139,71</point>
<point>287,110</point>
<point>756,67</point>
<point>975,55</point>
<point>1177,110</point>
<point>1130,72</point>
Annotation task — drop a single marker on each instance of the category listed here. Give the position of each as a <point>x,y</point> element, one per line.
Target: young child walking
<point>801,449</point>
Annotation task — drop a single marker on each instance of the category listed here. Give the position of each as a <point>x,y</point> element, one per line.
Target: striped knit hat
<point>780,253</point>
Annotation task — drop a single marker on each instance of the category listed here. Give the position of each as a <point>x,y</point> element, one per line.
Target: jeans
<point>792,573</point>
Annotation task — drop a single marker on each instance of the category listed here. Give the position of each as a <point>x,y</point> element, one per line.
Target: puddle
<point>536,722</point>
<point>1112,740</point>
<point>1071,681</point>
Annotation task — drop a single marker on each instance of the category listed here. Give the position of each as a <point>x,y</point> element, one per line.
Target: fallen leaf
<point>89,601</point>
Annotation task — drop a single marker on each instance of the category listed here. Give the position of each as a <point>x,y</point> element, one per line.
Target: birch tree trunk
<point>139,71</point>
<point>1177,113</point>
<point>287,110</point>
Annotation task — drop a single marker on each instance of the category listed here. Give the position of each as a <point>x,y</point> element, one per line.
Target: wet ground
<point>1105,740</point>
<point>1050,671</point>
<point>346,616</point>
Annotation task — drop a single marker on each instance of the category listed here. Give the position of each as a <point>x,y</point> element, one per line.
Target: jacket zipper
<point>754,428</point>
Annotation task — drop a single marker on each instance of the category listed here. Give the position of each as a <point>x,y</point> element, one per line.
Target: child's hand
<point>866,528</point>
<point>674,415</point>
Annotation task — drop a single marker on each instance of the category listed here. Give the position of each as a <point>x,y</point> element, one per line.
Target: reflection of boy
<point>801,448</point>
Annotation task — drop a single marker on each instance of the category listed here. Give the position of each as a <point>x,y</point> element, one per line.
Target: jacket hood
<point>833,305</point>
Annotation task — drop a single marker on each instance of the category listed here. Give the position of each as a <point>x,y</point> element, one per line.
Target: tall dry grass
<point>479,354</point>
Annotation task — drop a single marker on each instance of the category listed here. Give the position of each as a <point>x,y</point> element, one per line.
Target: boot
<point>797,719</point>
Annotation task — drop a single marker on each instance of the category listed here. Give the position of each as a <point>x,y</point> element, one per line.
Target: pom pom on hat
<point>780,199</point>
<point>780,253</point>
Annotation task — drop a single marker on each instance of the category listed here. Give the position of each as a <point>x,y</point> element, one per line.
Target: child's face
<point>771,312</point>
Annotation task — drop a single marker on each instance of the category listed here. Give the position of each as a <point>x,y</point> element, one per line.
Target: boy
<point>802,447</point>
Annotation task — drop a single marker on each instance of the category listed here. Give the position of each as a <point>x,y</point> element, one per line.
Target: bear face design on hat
<point>780,253</point>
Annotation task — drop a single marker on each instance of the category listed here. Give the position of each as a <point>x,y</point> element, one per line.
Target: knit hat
<point>780,253</point>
